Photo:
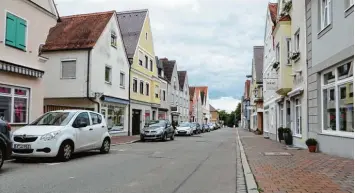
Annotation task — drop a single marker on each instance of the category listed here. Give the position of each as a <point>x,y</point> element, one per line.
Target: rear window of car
<point>95,118</point>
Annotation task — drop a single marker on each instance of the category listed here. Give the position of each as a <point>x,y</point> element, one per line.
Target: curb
<point>249,177</point>
<point>134,141</point>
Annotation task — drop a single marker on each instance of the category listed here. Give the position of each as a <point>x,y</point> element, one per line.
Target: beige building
<point>24,27</point>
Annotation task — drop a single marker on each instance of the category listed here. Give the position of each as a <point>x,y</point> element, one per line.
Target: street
<point>203,163</point>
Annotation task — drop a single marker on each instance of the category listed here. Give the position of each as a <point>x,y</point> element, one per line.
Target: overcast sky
<point>211,39</point>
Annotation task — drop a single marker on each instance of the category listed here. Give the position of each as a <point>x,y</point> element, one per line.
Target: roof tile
<point>181,76</point>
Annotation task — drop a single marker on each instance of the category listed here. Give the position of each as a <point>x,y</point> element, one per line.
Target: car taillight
<point>8,127</point>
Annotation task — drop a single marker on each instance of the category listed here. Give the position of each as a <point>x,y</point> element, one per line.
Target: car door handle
<point>102,126</point>
<point>91,129</point>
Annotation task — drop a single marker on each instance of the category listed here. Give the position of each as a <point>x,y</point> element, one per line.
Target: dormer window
<point>113,39</point>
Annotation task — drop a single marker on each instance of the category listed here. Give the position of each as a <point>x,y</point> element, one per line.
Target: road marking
<point>71,177</point>
<point>53,164</point>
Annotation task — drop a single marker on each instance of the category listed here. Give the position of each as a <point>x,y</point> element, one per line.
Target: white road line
<point>53,164</point>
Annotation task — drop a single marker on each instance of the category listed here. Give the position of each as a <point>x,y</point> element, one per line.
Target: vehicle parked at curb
<point>196,128</point>
<point>60,134</point>
<point>160,129</point>
<point>184,128</point>
<point>5,142</point>
<point>206,128</point>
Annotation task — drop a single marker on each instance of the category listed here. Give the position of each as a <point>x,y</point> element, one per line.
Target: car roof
<point>74,111</point>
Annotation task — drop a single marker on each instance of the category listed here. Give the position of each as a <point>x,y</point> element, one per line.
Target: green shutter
<point>21,34</point>
<point>10,29</point>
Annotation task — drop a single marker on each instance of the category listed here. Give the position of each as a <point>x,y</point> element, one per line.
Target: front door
<point>136,122</point>
<point>84,135</point>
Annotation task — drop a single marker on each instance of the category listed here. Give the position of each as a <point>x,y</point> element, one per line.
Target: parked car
<point>61,133</point>
<point>160,129</point>
<point>184,128</point>
<point>206,128</point>
<point>197,128</point>
<point>5,142</point>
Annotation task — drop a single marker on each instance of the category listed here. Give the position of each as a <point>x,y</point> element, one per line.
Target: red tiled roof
<point>77,31</point>
<point>191,92</point>
<point>212,109</point>
<point>273,11</point>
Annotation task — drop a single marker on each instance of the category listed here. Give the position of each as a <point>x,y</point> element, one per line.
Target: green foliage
<point>232,118</point>
<point>311,142</point>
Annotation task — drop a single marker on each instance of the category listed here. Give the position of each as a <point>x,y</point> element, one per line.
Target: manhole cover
<point>276,154</point>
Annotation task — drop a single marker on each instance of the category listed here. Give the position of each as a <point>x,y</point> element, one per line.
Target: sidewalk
<point>117,140</point>
<point>301,172</point>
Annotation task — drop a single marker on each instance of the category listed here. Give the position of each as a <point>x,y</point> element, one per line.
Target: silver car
<point>161,130</point>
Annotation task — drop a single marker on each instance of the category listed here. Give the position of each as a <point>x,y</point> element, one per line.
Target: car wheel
<point>65,152</point>
<point>106,145</point>
<point>142,139</point>
<point>2,156</point>
<point>172,137</point>
<point>164,138</point>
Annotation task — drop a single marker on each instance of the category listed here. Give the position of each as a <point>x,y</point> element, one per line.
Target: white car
<point>184,128</point>
<point>62,133</point>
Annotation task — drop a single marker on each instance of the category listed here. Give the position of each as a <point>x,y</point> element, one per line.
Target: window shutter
<point>21,33</point>
<point>69,69</point>
<point>10,30</point>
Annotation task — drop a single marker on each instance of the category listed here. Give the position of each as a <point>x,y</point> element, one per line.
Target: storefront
<point>115,111</point>
<point>162,114</point>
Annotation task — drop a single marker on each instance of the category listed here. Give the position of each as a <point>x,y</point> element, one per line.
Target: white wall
<point>54,86</point>
<point>104,54</point>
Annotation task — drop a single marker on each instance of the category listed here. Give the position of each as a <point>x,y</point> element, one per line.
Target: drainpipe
<point>88,83</point>
<point>130,60</point>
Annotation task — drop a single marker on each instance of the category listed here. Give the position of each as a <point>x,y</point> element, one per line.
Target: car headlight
<point>50,136</point>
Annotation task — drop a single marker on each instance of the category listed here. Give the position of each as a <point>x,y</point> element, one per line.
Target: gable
<point>146,37</point>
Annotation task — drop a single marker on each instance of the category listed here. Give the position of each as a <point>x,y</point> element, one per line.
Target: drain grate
<point>277,154</point>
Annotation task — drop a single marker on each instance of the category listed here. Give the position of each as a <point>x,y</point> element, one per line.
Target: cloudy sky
<point>211,39</point>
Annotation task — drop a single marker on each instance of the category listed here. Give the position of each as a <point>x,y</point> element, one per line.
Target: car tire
<point>105,147</point>
<point>2,156</point>
<point>164,138</point>
<point>172,137</point>
<point>142,139</point>
<point>65,151</point>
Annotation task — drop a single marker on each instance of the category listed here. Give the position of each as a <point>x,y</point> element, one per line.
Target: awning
<point>114,100</point>
<point>295,92</point>
<point>19,69</point>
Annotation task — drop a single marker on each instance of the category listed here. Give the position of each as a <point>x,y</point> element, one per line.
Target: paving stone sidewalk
<point>241,186</point>
<point>116,140</point>
<point>302,172</point>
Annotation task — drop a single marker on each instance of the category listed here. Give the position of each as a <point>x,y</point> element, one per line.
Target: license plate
<point>22,146</point>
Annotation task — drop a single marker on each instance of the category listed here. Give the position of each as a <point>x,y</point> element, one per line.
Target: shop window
<point>337,100</point>
<point>298,117</point>
<point>14,104</point>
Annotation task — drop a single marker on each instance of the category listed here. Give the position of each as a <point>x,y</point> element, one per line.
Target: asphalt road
<point>199,164</point>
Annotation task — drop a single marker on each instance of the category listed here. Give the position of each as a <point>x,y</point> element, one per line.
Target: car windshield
<point>185,124</point>
<point>160,123</point>
<point>54,119</point>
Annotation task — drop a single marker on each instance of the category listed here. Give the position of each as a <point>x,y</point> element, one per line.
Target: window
<point>160,72</point>
<point>108,74</point>
<point>325,13</point>
<point>297,41</point>
<point>163,95</point>
<point>113,39</point>
<point>147,89</point>
<point>146,35</point>
<point>288,51</point>
<point>281,115</point>
<point>82,117</point>
<point>146,62</point>
<point>135,85</point>
<point>298,117</point>
<point>140,62</point>
<point>14,104</point>
<point>141,87</point>
<point>151,65</point>
<point>337,100</point>
<point>16,30</point>
<point>95,118</point>
<point>174,82</point>
<point>278,53</point>
<point>68,69</point>
<point>122,79</point>
<point>156,91</point>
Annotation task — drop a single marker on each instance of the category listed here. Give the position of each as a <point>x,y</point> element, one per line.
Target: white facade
<point>270,80</point>
<point>108,78</point>
<point>184,101</point>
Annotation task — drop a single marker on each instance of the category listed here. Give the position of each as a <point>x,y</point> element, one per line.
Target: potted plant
<point>287,136</point>
<point>280,133</point>
<point>312,144</point>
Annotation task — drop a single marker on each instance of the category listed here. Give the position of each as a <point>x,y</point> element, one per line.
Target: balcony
<point>284,83</point>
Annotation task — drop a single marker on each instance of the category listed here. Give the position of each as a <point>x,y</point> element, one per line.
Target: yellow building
<point>144,88</point>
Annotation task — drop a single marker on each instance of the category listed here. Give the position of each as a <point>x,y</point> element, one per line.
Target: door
<point>170,128</point>
<point>136,122</point>
<point>84,135</point>
<point>98,128</point>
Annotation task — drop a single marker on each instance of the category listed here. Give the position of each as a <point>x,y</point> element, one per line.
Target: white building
<point>88,67</point>
<point>24,27</point>
<point>269,74</point>
<point>184,96</point>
